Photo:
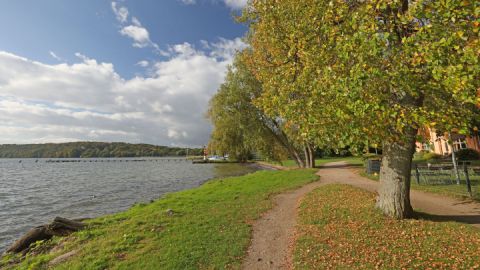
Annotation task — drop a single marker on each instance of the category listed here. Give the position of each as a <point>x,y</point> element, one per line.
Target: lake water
<point>33,192</point>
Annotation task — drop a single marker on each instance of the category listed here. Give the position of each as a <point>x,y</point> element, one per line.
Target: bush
<point>467,154</point>
<point>426,155</point>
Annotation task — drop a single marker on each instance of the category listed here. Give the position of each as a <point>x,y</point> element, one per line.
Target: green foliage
<point>208,228</point>
<point>90,150</point>
<point>467,154</point>
<point>426,156</point>
<point>240,127</point>
<point>369,70</point>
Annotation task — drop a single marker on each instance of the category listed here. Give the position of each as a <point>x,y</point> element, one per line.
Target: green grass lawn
<point>208,228</point>
<point>447,188</point>
<point>321,161</point>
<point>452,190</point>
<point>340,229</point>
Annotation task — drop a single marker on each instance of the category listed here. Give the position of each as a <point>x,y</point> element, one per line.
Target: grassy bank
<point>203,228</point>
<point>321,161</point>
<point>340,229</point>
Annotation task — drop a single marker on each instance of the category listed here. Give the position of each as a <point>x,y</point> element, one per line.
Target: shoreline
<point>219,207</point>
<point>86,217</point>
<point>105,200</point>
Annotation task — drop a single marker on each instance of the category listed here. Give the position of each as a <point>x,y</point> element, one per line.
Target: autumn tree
<point>355,71</point>
<point>240,127</point>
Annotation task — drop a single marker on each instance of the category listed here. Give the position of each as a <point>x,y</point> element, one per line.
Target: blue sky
<point>134,71</point>
<point>33,29</point>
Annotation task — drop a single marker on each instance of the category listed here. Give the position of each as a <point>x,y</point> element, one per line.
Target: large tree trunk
<point>311,151</point>
<point>282,138</point>
<point>394,193</point>
<point>307,156</point>
<point>296,156</point>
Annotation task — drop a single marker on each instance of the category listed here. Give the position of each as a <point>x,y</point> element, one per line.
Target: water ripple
<point>33,193</point>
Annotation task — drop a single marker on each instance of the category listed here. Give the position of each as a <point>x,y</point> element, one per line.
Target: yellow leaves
<point>339,229</point>
<point>418,59</point>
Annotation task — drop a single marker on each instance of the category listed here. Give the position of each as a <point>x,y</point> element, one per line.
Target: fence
<point>444,178</point>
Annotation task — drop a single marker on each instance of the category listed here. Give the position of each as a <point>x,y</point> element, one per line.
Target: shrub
<point>431,156</point>
<point>467,154</point>
<point>426,155</point>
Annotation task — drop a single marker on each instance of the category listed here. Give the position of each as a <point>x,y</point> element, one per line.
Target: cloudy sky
<point>131,71</point>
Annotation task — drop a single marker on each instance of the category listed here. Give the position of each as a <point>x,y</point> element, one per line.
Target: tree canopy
<point>372,72</point>
<point>240,127</point>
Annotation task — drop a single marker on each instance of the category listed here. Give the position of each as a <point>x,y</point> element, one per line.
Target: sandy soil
<point>274,233</point>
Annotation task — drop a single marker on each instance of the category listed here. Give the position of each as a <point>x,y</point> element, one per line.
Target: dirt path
<point>440,208</point>
<point>273,234</point>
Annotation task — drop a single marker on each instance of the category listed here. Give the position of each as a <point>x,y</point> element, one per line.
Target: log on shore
<point>59,227</point>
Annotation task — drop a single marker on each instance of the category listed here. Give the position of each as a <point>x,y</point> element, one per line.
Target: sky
<point>138,71</point>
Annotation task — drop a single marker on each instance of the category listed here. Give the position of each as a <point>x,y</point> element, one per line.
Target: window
<point>426,146</point>
<point>459,144</point>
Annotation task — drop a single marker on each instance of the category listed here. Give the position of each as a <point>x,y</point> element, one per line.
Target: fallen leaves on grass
<point>339,228</point>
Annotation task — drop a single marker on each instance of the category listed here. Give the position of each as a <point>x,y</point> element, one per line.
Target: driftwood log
<point>59,227</point>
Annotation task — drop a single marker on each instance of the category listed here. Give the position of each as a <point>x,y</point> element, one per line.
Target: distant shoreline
<point>94,150</point>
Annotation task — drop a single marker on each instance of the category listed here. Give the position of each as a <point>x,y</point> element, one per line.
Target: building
<point>439,143</point>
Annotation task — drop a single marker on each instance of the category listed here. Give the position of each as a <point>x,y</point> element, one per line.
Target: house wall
<point>442,147</point>
<point>474,142</point>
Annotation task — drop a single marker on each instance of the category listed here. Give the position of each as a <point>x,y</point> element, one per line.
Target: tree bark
<point>394,193</point>
<point>307,156</point>
<point>296,157</point>
<point>311,152</point>
<point>274,128</point>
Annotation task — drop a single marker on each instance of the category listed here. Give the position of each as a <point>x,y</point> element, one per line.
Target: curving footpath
<point>274,233</point>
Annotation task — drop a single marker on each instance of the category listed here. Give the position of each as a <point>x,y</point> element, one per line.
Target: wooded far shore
<point>92,150</point>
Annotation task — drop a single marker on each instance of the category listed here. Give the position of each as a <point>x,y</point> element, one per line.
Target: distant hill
<point>90,150</point>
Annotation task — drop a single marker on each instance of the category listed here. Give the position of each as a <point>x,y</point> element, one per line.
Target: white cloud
<point>226,48</point>
<point>236,4</point>
<point>136,22</point>
<point>88,100</point>
<point>143,63</point>
<point>139,34</point>
<point>189,2</point>
<point>55,56</point>
<point>120,12</point>
<point>232,4</point>
<point>161,108</point>
<point>135,30</point>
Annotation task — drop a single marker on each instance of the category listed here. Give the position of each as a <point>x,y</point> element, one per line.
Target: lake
<point>34,191</point>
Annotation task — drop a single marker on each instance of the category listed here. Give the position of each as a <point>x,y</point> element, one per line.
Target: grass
<point>452,190</point>
<point>319,162</point>
<point>207,228</point>
<point>340,229</point>
<point>442,187</point>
